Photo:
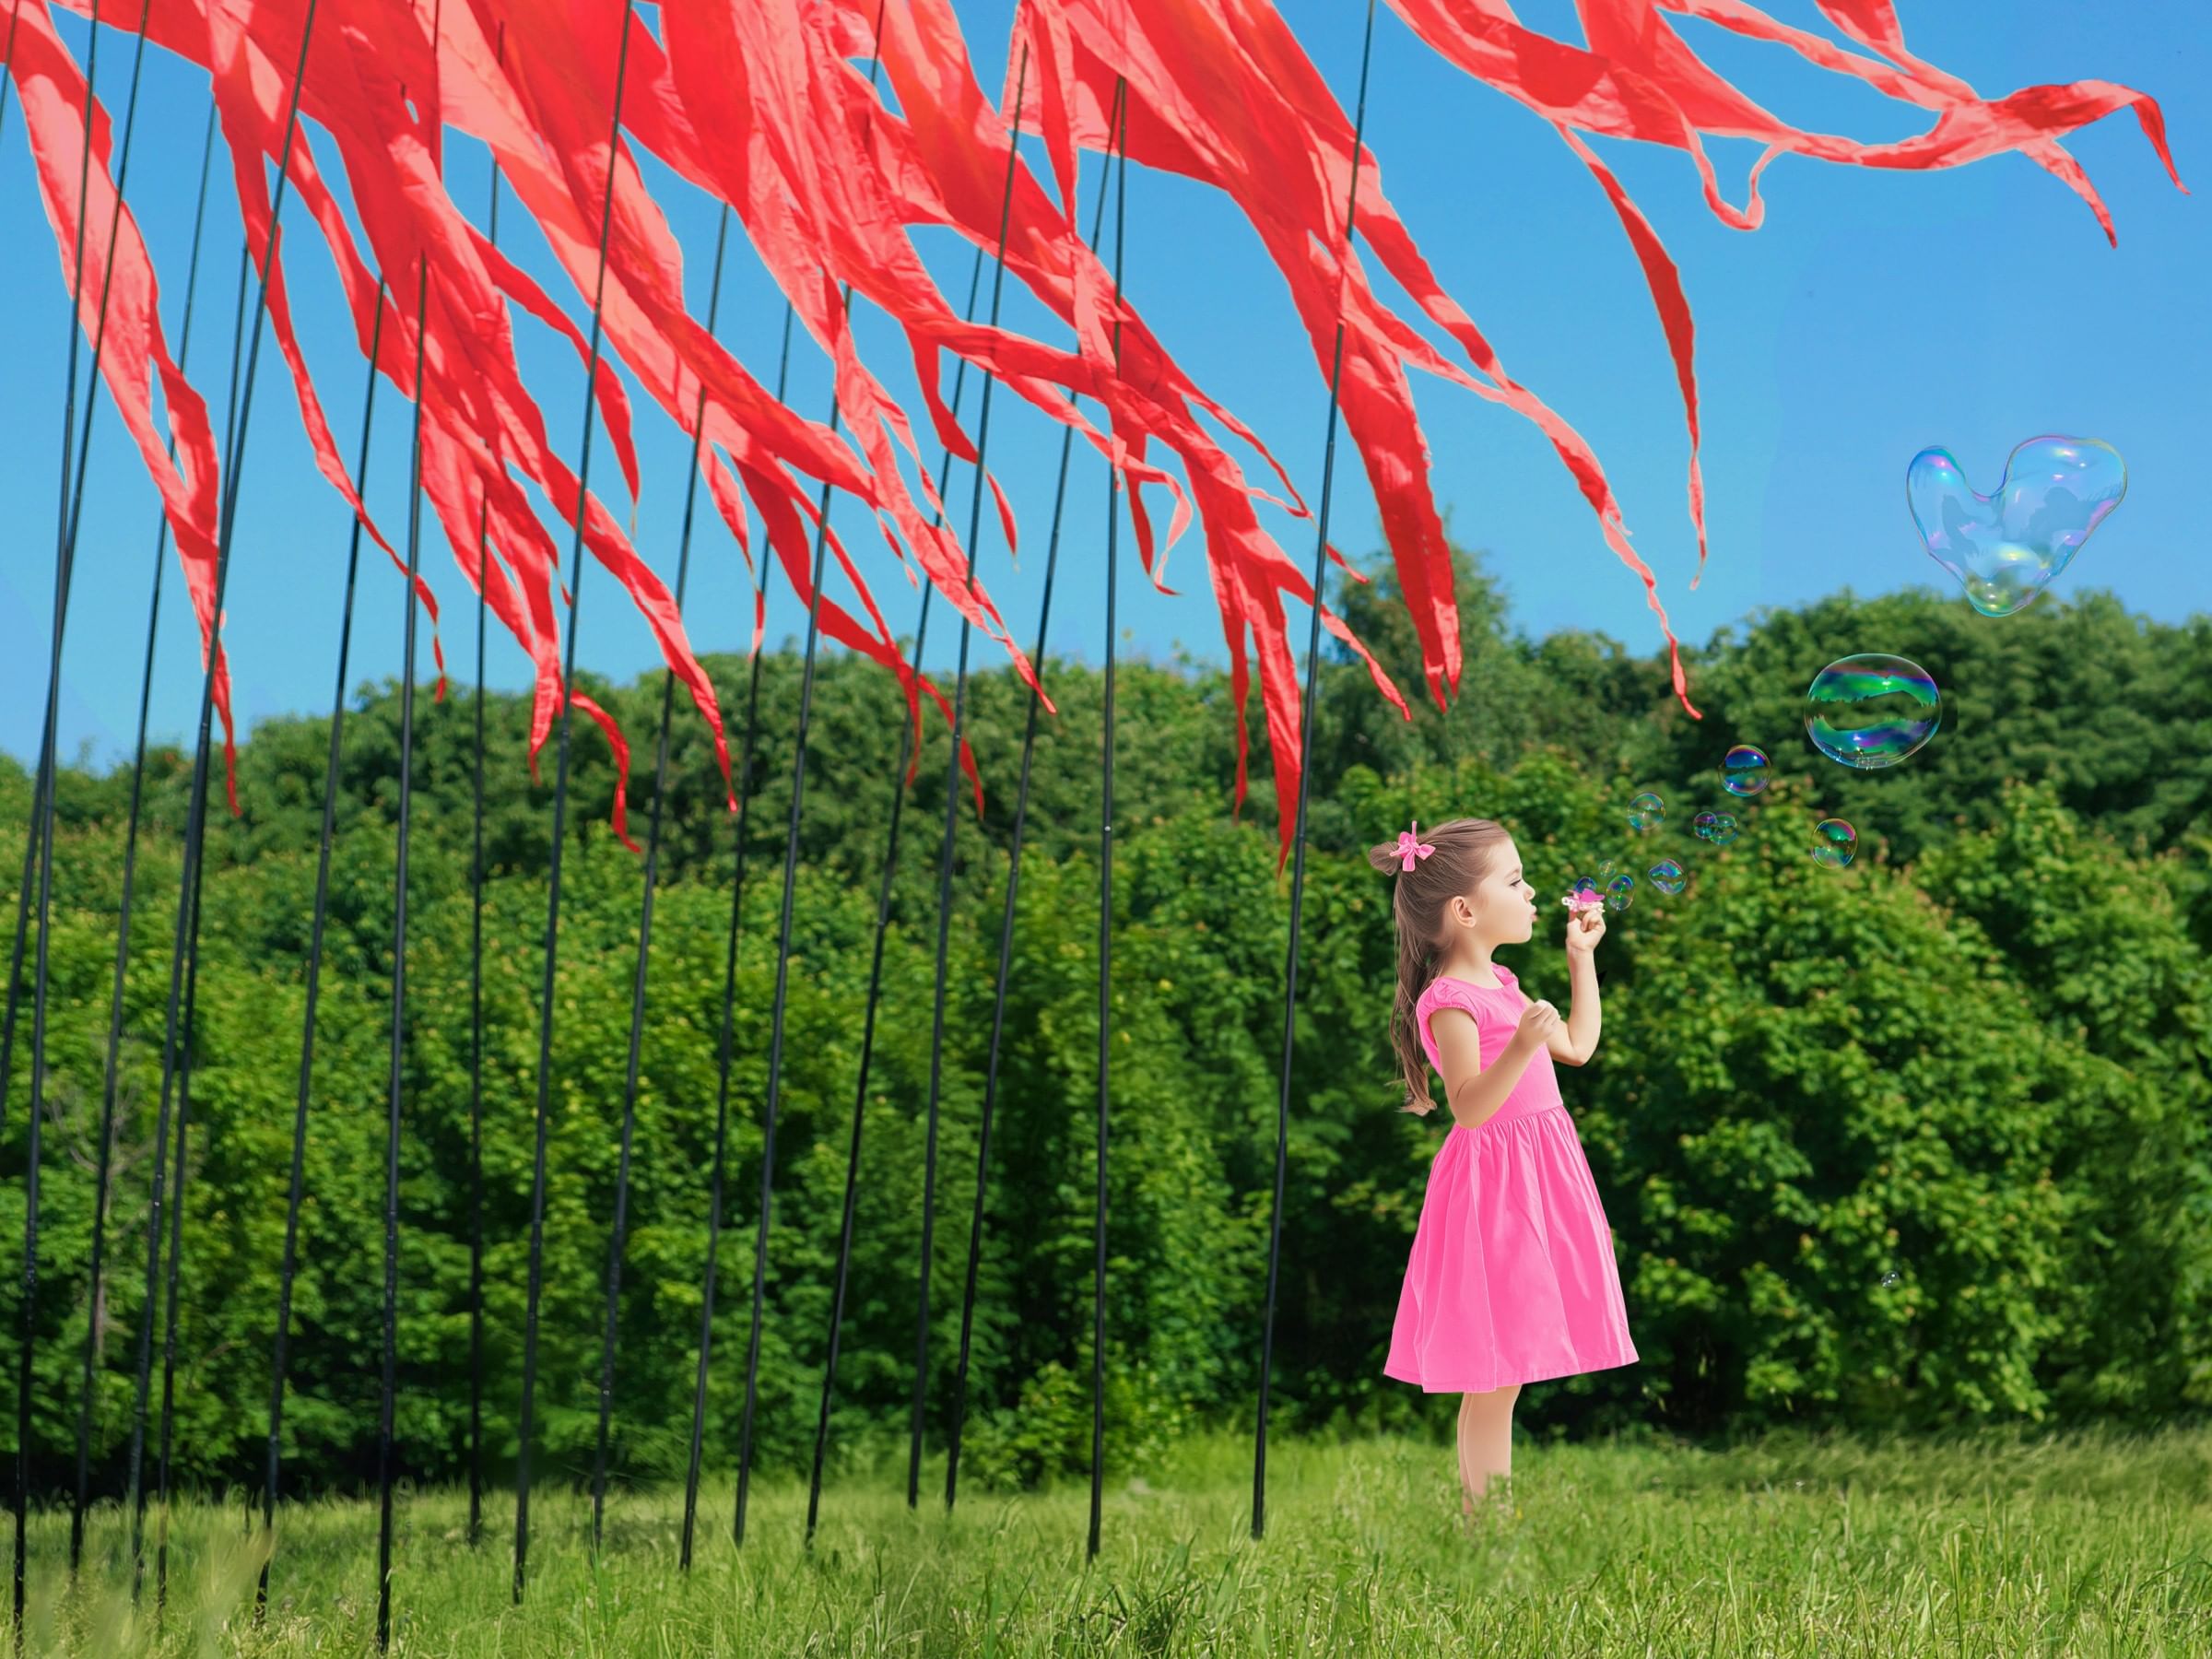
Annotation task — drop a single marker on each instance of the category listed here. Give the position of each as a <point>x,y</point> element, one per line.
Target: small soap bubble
<point>1834,843</point>
<point>1647,812</point>
<point>2007,549</point>
<point>1667,877</point>
<point>1889,1279</point>
<point>1724,829</point>
<point>1873,710</point>
<point>1606,869</point>
<point>1622,893</point>
<point>1701,826</point>
<point>1743,770</point>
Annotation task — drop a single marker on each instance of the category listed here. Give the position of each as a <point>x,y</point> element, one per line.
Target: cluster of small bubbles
<point>1719,828</point>
<point>1743,770</point>
<point>1873,710</point>
<point>2006,549</point>
<point>1834,843</point>
<point>1622,893</point>
<point>1668,877</point>
<point>1647,812</point>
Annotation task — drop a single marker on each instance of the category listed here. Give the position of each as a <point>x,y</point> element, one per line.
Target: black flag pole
<point>1298,855</point>
<point>288,1272</point>
<point>1113,520</point>
<point>560,814</point>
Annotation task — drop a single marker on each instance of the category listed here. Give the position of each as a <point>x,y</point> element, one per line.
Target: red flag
<point>762,106</point>
<point>952,134</point>
<point>1638,79</point>
<point>133,348</point>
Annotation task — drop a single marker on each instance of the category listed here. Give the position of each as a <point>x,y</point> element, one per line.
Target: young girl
<point>1511,1278</point>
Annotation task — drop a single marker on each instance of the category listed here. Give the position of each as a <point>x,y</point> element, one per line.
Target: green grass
<point>1995,1545</point>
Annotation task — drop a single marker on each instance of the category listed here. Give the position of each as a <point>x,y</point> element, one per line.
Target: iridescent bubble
<point>1605,871</point>
<point>1743,770</point>
<point>1722,830</point>
<point>1647,812</point>
<point>1701,826</point>
<point>1621,894</point>
<point>1871,711</point>
<point>2006,549</point>
<point>1834,843</point>
<point>1581,887</point>
<point>1667,877</point>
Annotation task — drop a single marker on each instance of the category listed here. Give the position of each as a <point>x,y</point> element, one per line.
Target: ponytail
<point>1429,869</point>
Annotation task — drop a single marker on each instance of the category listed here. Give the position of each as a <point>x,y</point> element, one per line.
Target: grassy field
<point>1996,1544</point>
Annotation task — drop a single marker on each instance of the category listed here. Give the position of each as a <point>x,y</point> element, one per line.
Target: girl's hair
<point>1464,848</point>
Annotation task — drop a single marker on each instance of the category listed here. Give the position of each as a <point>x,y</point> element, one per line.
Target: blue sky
<point>1873,315</point>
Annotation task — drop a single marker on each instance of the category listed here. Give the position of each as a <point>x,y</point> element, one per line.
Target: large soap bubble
<point>1834,843</point>
<point>1871,711</point>
<point>2006,549</point>
<point>1743,770</point>
<point>1667,877</point>
<point>1647,812</point>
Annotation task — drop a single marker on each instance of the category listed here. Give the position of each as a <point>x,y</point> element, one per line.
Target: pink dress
<point>1512,1277</point>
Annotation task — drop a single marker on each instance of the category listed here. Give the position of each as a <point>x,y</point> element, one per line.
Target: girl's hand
<point>1585,928</point>
<point>1538,1021</point>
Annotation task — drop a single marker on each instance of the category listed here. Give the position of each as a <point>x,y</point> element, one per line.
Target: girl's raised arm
<point>1577,1040</point>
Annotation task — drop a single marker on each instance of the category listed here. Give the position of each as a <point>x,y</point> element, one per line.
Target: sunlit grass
<point>1998,1544</point>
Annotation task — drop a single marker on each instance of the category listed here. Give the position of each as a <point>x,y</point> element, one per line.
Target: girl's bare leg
<point>1467,1488</point>
<point>1486,1441</point>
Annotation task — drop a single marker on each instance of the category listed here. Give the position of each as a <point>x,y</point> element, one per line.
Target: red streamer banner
<point>765,108</point>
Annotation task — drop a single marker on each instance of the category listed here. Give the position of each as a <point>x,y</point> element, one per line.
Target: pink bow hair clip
<point>1410,847</point>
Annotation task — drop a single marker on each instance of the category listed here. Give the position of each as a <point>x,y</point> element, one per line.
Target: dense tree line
<point>1917,1142</point>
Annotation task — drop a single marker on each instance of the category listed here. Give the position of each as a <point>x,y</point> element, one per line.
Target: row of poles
<point>179,1026</point>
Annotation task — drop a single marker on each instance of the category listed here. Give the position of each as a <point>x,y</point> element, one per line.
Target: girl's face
<point>1504,906</point>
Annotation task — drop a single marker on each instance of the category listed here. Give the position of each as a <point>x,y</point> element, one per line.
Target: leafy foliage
<point>1918,1141</point>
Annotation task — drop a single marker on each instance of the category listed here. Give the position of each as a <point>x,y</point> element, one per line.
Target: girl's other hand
<point>1585,928</point>
<point>1538,1021</point>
